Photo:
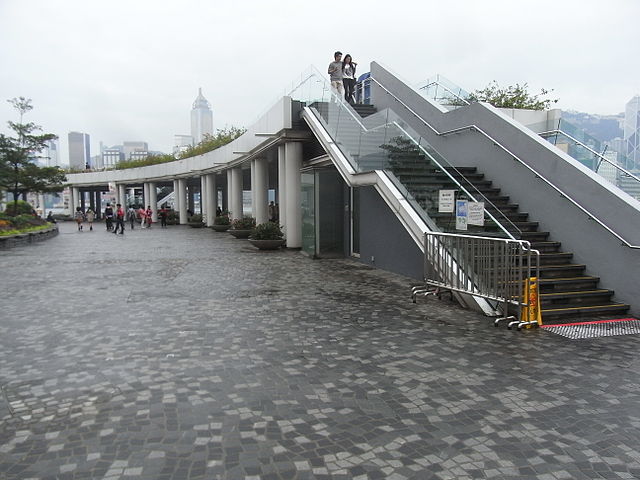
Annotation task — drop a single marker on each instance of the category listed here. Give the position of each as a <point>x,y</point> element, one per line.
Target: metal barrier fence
<point>491,268</point>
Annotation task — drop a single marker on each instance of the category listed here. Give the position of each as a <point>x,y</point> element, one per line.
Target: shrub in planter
<point>267,236</point>
<point>244,223</point>
<point>222,220</point>
<point>173,218</point>
<point>196,221</point>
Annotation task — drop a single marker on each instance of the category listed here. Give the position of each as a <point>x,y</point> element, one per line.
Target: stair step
<point>563,284</point>
<point>551,271</point>
<point>463,170</point>
<point>545,246</point>
<point>582,297</point>
<point>534,236</point>
<point>551,258</point>
<point>560,311</point>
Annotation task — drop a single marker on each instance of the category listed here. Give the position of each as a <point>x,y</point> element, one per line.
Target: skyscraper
<point>201,118</point>
<point>79,150</point>
<point>632,131</point>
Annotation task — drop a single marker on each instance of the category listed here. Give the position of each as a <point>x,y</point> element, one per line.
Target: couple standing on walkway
<point>343,75</point>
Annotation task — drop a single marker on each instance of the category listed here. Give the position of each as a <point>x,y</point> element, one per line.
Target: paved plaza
<point>185,353</point>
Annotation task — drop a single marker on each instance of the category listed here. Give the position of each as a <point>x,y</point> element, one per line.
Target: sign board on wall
<point>476,213</point>
<point>462,213</point>
<point>446,201</point>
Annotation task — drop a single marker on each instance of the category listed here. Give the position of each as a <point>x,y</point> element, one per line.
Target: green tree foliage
<point>514,96</point>
<point>209,143</point>
<point>18,172</point>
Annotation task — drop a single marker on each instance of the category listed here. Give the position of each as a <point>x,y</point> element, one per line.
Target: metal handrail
<point>475,128</point>
<point>490,268</point>
<point>446,88</point>
<point>599,155</point>
<point>354,116</point>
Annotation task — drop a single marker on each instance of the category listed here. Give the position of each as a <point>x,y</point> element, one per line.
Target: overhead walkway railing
<point>444,92</point>
<point>385,142</point>
<point>475,128</point>
<point>492,268</point>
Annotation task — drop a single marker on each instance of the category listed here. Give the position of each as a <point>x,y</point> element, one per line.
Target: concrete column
<point>176,198</point>
<point>92,201</point>
<point>83,205</point>
<point>132,195</point>
<point>182,195</point>
<point>252,176</point>
<point>293,163</point>
<point>75,197</point>
<point>260,189</point>
<point>229,189</point>
<point>98,204</point>
<point>153,200</point>
<point>282,190</point>
<point>210,197</point>
<point>121,196</point>
<point>203,197</point>
<point>236,192</point>
<point>145,195</point>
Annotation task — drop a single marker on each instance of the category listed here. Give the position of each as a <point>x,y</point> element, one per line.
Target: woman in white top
<point>349,78</point>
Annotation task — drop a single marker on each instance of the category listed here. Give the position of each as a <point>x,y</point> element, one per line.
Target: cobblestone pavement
<point>185,353</point>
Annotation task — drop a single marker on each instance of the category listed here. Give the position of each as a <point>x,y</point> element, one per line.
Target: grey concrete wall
<point>384,238</point>
<point>617,265</point>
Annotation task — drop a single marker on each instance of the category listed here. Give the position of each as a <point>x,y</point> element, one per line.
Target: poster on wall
<point>446,200</point>
<point>475,213</point>
<point>462,212</point>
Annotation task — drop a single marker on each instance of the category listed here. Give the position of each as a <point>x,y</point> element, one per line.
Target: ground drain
<point>601,328</point>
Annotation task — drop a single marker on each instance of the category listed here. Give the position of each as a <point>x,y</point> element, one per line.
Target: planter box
<point>239,233</point>
<point>221,228</point>
<point>267,244</point>
<point>197,224</point>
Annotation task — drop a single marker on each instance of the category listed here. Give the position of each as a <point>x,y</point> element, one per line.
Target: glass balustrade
<point>419,172</point>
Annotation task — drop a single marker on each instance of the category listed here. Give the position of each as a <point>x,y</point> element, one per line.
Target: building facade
<point>632,131</point>
<point>79,150</point>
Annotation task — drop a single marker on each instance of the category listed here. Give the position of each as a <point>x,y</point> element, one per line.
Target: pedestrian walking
<point>108,216</point>
<point>142,214</point>
<point>91,216</point>
<point>119,219</point>
<point>148,215</point>
<point>131,216</point>
<point>335,73</point>
<point>163,213</point>
<point>79,218</point>
<point>349,78</point>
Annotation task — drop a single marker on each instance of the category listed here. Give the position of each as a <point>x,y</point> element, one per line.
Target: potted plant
<point>195,221</point>
<point>221,223</point>
<point>267,236</point>
<point>242,227</point>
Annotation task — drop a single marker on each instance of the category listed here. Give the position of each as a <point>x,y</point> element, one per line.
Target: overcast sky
<point>130,70</point>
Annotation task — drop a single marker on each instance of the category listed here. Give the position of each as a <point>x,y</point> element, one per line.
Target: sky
<point>130,70</point>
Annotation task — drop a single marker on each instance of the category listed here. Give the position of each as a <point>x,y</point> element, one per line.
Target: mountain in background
<point>603,127</point>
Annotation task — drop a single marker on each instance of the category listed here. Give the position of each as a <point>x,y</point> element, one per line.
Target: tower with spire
<point>201,118</point>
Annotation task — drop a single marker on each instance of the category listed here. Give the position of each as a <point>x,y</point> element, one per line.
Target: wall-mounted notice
<point>446,199</point>
<point>462,211</point>
<point>476,213</point>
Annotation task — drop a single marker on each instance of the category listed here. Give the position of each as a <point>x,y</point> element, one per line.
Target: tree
<point>18,172</point>
<point>515,96</point>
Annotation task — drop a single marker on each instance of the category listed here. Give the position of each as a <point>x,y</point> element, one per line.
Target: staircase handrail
<point>437,82</point>
<point>475,128</point>
<point>349,108</point>
<point>599,155</point>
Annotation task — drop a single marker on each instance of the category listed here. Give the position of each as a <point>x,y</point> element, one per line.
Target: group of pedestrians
<point>115,219</point>
<point>342,74</point>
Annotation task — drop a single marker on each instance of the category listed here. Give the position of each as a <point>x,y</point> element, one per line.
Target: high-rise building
<point>79,151</point>
<point>112,156</point>
<point>130,147</point>
<point>50,154</point>
<point>201,118</point>
<point>181,143</point>
<point>632,131</point>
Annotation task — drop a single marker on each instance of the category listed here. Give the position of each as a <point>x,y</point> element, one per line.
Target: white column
<point>236,193</point>
<point>73,195</point>
<point>229,189</point>
<point>153,200</point>
<point>210,198</point>
<point>132,195</point>
<point>176,199</point>
<point>260,188</point>
<point>145,195</point>
<point>121,197</point>
<point>182,195</point>
<point>203,196</point>
<point>253,188</point>
<point>41,205</point>
<point>282,190</point>
<point>293,163</point>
